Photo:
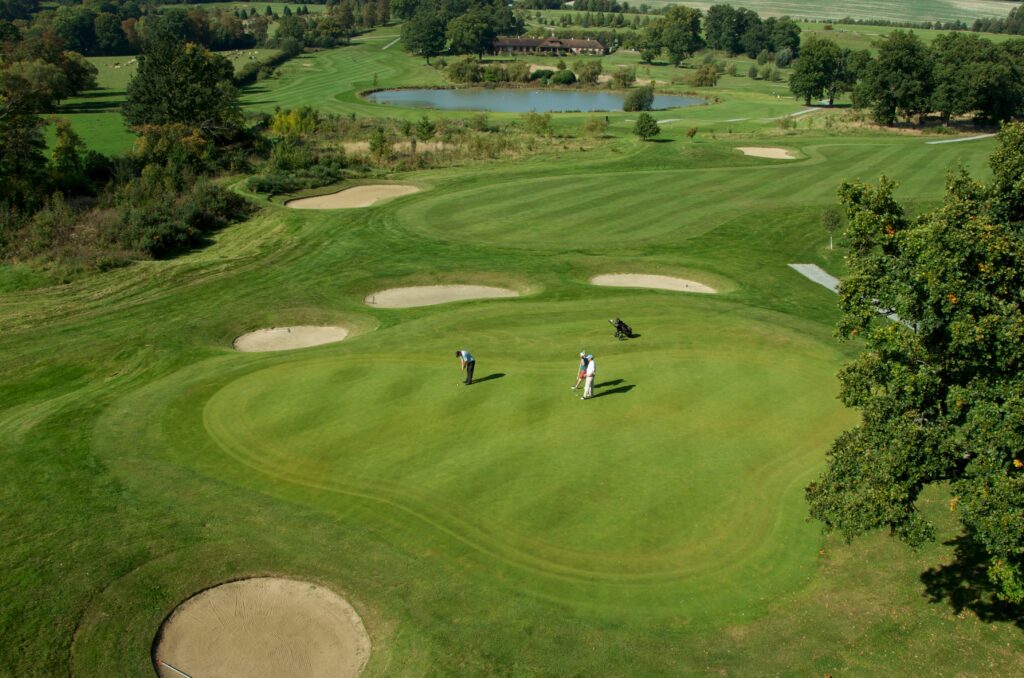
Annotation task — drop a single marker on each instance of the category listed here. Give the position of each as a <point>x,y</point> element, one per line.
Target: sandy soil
<point>357,196</point>
<point>263,627</point>
<point>286,338</point>
<point>767,152</point>
<point>658,282</point>
<point>429,295</point>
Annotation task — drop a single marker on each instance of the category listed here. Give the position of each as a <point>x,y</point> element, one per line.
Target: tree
<point>624,77</point>
<point>68,158</point>
<point>940,393</point>
<point>22,165</point>
<point>178,82</point>
<point>898,80</point>
<point>639,99</point>
<point>425,129</point>
<point>423,35</point>
<point>646,127</point>
<point>587,72</point>
<point>831,220</point>
<point>972,75</point>
<point>817,70</point>
<point>471,33</point>
<point>680,32</point>
<point>380,145</point>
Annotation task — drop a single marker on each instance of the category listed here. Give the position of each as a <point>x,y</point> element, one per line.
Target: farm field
<point>912,10</point>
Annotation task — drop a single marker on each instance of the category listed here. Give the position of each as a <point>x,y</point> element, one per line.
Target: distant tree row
<point>115,27</point>
<point>959,74</point>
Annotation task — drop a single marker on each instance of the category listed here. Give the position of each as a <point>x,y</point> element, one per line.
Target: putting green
<point>683,477</point>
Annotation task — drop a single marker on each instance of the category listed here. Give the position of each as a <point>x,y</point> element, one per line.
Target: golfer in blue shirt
<point>468,363</point>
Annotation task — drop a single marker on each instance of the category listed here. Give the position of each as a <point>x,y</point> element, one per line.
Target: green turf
<point>506,528</point>
<point>909,10</point>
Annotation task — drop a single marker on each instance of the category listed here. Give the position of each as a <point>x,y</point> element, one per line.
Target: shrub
<point>587,72</point>
<point>763,57</point>
<point>425,129</point>
<point>565,77</point>
<point>640,99</point>
<point>731,69</point>
<point>706,76</point>
<point>541,74</point>
<point>646,127</point>
<point>784,57</point>
<point>518,71</point>
<point>538,123</point>
<point>752,71</point>
<point>464,70</point>
<point>624,77</point>
<point>595,126</point>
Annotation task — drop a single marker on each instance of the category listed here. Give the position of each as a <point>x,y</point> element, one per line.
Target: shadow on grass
<point>608,383</point>
<point>615,391</point>
<point>964,584</point>
<point>489,377</point>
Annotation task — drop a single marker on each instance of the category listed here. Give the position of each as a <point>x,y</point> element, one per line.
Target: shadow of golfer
<point>489,377</point>
<point>622,389</point>
<point>608,383</point>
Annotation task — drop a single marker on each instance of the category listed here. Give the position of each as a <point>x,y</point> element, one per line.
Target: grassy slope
<point>508,528</point>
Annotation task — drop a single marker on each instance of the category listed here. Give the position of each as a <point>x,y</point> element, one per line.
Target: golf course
<point>502,528</point>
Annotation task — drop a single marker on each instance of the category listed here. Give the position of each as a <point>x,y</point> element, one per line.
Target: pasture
<point>911,10</point>
<point>506,527</point>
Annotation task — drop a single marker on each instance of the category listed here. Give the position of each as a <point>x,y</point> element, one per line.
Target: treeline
<point>958,74</point>
<point>435,27</point>
<point>1013,24</point>
<point>79,209</point>
<point>115,27</point>
<point>600,19</point>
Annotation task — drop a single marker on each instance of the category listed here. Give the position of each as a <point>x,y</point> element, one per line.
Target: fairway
<point>283,406</point>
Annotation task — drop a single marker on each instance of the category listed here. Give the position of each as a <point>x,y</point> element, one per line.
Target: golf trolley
<point>622,330</point>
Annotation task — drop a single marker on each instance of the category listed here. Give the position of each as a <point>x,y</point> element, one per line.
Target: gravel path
<point>817,274</point>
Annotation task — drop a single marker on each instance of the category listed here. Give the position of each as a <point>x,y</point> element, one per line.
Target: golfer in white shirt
<point>588,386</point>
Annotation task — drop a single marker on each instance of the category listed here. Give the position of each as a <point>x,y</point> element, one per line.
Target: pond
<point>518,100</point>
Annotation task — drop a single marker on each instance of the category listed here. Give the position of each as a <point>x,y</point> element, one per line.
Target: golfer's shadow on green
<point>621,389</point>
<point>489,377</point>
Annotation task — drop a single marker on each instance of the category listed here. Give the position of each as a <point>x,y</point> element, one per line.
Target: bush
<point>784,57</point>
<point>752,71</point>
<point>465,70</point>
<point>706,76</point>
<point>538,123</point>
<point>587,72</point>
<point>518,71</point>
<point>624,77</point>
<point>731,69</point>
<point>541,74</point>
<point>640,99</point>
<point>565,77</point>
<point>595,126</point>
<point>646,127</point>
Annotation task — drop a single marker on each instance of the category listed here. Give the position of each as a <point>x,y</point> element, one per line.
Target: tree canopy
<point>183,83</point>
<point>941,393</point>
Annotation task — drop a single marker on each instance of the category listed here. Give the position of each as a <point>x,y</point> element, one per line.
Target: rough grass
<point>507,528</point>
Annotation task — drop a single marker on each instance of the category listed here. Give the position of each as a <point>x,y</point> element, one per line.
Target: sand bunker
<point>429,295</point>
<point>767,152</point>
<point>357,196</point>
<point>286,338</point>
<point>658,282</point>
<point>263,627</point>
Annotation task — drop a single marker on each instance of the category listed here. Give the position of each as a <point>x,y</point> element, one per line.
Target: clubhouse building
<point>548,46</point>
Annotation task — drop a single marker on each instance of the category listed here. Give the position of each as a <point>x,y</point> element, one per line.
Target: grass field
<point>507,528</point>
<point>911,10</point>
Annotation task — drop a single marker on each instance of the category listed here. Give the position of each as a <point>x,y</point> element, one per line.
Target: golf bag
<point>622,330</point>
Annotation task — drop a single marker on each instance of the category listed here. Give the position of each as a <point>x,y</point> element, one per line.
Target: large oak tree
<point>942,392</point>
